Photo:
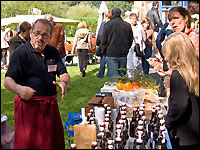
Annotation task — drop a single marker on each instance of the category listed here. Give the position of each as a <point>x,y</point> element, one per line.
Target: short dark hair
<point>24,26</point>
<point>44,21</point>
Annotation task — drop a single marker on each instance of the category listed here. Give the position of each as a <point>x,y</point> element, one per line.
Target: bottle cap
<point>118,126</point>
<point>110,141</point>
<point>107,115</point>
<point>101,129</point>
<point>118,139</point>
<point>94,143</point>
<point>105,105</point>
<point>123,112</point>
<point>108,112</point>
<point>107,119</point>
<point>121,121</point>
<point>140,127</point>
<point>108,108</point>
<point>73,145</point>
<point>140,122</point>
<point>123,116</point>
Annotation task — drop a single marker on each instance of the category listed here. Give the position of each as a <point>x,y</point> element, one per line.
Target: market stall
<point>122,117</point>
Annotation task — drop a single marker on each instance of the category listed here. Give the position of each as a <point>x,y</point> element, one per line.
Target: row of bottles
<point>114,135</point>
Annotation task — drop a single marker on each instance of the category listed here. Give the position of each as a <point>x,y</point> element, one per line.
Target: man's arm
<point>24,92</point>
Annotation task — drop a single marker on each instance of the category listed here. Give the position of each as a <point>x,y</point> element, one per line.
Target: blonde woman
<point>182,119</point>
<point>83,43</point>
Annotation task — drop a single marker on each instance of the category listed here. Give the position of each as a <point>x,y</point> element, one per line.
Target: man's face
<point>133,20</point>
<point>40,36</point>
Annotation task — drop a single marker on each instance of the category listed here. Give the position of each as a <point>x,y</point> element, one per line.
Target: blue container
<point>71,132</point>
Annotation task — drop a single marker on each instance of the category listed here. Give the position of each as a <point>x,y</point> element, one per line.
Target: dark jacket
<point>117,37</point>
<point>154,18</point>
<point>15,42</point>
<point>161,37</point>
<point>182,120</point>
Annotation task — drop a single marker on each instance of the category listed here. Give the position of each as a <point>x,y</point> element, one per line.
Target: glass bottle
<point>139,144</point>
<point>118,143</point>
<point>133,123</point>
<point>99,140</point>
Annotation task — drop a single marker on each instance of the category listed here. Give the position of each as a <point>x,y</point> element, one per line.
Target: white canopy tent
<point>32,18</point>
<point>102,10</point>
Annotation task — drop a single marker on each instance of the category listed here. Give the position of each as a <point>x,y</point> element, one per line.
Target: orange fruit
<point>120,86</point>
<point>136,87</point>
<point>127,87</point>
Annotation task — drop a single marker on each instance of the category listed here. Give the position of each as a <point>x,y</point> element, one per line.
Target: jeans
<point>82,59</point>
<point>116,66</point>
<point>145,64</point>
<point>102,66</point>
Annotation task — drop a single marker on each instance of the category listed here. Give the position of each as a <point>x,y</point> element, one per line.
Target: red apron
<point>38,123</point>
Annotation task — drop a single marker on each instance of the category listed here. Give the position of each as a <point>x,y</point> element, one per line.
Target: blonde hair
<point>181,55</point>
<point>82,24</point>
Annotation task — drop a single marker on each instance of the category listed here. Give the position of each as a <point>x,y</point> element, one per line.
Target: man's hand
<point>26,92</point>
<point>63,87</point>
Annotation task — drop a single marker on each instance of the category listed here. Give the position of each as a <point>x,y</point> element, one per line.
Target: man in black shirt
<point>32,76</point>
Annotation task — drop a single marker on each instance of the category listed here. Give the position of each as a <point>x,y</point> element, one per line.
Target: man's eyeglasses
<point>44,35</point>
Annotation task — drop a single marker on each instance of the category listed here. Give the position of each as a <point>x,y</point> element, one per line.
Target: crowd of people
<point>172,48</point>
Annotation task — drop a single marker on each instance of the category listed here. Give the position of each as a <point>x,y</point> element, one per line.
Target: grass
<point>81,90</point>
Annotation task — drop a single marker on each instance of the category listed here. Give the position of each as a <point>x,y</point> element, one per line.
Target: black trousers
<point>83,59</point>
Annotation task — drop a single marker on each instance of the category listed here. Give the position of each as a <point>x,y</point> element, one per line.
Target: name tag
<point>52,68</point>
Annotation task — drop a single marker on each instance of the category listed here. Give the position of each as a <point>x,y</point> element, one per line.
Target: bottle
<point>133,124</point>
<point>161,142</point>
<point>94,145</point>
<point>73,146</point>
<point>139,144</point>
<point>118,130</point>
<point>151,125</point>
<point>99,138</point>
<point>118,143</point>
<point>88,117</point>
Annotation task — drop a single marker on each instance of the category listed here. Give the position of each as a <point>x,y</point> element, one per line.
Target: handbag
<point>137,50</point>
<point>98,51</point>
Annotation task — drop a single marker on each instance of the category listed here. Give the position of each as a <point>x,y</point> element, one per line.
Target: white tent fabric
<point>102,10</point>
<point>31,18</point>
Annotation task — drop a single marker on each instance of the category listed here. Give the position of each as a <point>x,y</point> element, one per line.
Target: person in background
<point>21,37</point>
<point>32,76</point>
<point>139,37</point>
<point>180,21</point>
<point>127,14</point>
<point>6,36</point>
<point>117,38</point>
<point>153,16</point>
<point>150,41</point>
<point>101,72</point>
<point>94,41</point>
<point>182,119</point>
<point>58,37</point>
<point>83,43</point>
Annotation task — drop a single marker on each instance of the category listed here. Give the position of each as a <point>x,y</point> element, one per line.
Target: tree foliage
<point>77,10</point>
